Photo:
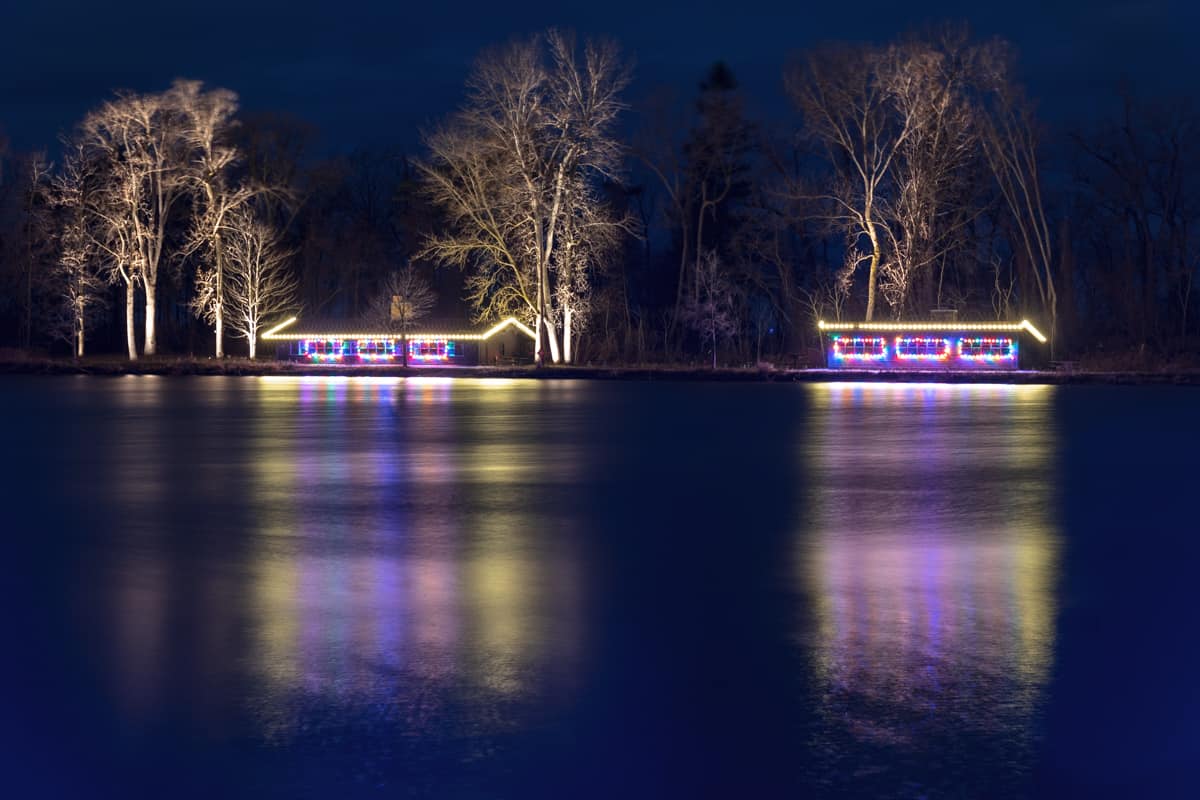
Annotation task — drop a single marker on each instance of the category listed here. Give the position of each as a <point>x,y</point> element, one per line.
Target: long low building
<point>928,345</point>
<point>507,342</point>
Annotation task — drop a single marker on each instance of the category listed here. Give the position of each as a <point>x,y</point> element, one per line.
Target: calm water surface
<point>324,587</point>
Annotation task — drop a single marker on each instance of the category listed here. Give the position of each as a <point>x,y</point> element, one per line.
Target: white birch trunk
<point>130,332</point>
<point>552,337</point>
<point>537,341</point>
<point>220,350</point>
<point>566,334</point>
<point>872,275</point>
<point>150,347</point>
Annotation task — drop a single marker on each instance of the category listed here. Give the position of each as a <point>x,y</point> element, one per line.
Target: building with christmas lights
<point>941,345</point>
<point>506,342</point>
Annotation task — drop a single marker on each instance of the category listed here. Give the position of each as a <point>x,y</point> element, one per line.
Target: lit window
<point>922,348</point>
<point>989,348</point>
<point>860,348</point>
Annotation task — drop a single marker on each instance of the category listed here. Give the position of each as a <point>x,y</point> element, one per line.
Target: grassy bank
<point>15,364</point>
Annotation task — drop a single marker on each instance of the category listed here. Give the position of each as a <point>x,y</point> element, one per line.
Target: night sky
<point>375,73</point>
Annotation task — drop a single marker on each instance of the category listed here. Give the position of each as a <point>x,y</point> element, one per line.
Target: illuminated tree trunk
<point>150,347</point>
<point>219,310</point>
<point>552,338</point>
<point>537,341</point>
<point>566,334</point>
<point>872,275</point>
<point>130,330</point>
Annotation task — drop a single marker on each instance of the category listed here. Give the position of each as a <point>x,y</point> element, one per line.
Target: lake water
<point>324,587</point>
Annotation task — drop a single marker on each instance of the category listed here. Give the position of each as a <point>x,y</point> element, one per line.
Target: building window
<point>376,348</point>
<point>922,348</point>
<point>431,349</point>
<point>988,348</point>
<point>859,348</point>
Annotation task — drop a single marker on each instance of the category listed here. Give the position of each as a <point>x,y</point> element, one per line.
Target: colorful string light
<point>275,335</point>
<point>859,348</point>
<point>328,348</point>
<point>420,350</point>
<point>959,347</point>
<point>427,349</point>
<point>948,327</point>
<point>987,348</point>
<point>922,348</point>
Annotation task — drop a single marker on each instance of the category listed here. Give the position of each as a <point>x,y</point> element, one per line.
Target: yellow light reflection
<point>395,557</point>
<point>930,552</point>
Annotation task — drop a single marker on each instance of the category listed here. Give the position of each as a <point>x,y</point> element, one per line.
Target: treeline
<point>914,175</point>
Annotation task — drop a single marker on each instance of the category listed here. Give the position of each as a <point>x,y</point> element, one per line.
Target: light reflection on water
<point>401,560</point>
<point>412,570</point>
<point>931,556</point>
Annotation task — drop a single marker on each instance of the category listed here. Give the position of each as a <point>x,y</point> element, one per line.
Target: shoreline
<point>245,368</point>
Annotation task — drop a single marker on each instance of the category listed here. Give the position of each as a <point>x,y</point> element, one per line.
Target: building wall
<point>509,346</point>
<point>923,350</point>
<point>381,350</point>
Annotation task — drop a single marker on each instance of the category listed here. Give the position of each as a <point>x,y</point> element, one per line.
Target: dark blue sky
<point>376,72</point>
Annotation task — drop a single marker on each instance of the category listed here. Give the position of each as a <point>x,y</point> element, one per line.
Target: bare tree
<point>825,300</point>
<point>1011,146</point>
<point>935,195</point>
<point>208,123</point>
<point>405,299</point>
<point>106,208</point>
<point>141,140</point>
<point>711,312</point>
<point>705,177</point>
<point>258,283</point>
<point>1003,287</point>
<point>77,276</point>
<point>587,240</point>
<point>507,172</point>
<point>1139,176</point>
<point>846,95</point>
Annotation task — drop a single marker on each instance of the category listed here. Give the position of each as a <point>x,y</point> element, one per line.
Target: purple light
<point>430,350</point>
<point>922,348</point>
<point>988,349</point>
<point>860,348</point>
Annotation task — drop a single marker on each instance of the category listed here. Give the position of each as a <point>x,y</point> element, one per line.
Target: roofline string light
<point>275,335</point>
<point>903,327</point>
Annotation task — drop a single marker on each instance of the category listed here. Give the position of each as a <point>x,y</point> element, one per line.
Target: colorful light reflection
<point>932,586</point>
